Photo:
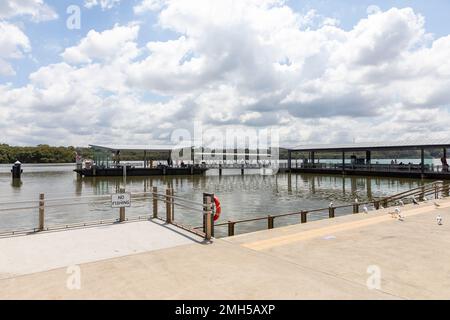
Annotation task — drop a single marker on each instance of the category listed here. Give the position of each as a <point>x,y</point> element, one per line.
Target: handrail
<point>437,187</point>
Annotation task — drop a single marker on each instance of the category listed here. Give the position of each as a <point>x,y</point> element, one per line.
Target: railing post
<point>168,206</point>
<point>41,211</point>
<point>331,212</point>
<point>122,210</point>
<point>304,216</point>
<point>356,208</point>
<point>208,226</point>
<point>270,222</point>
<point>155,202</point>
<point>376,204</point>
<point>173,203</point>
<point>231,228</point>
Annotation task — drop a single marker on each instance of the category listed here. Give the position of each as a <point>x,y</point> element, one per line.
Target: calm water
<point>241,197</point>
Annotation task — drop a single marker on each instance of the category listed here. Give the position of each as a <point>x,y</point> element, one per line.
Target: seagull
<point>356,200</point>
<point>400,216</point>
<point>401,203</point>
<point>437,205</point>
<point>425,199</point>
<point>439,220</point>
<point>415,201</point>
<point>331,204</point>
<point>365,209</point>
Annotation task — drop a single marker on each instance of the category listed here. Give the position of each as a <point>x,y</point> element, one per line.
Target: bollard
<point>270,222</point>
<point>17,170</point>
<point>304,216</point>
<point>331,212</point>
<point>168,207</point>
<point>355,208</point>
<point>41,211</point>
<point>155,202</point>
<point>231,228</point>
<point>122,210</point>
<point>208,222</point>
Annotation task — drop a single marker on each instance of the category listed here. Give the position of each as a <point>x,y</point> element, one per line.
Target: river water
<point>242,197</point>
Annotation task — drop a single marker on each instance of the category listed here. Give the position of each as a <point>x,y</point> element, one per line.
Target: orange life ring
<point>218,208</point>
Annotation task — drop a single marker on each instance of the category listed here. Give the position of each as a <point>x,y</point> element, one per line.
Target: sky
<point>79,72</point>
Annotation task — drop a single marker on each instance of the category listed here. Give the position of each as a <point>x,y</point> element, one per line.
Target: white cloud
<point>38,10</point>
<point>254,63</point>
<point>104,4</point>
<point>148,5</point>
<point>116,42</point>
<point>13,45</point>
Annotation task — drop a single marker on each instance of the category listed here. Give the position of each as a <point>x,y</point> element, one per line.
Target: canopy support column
<point>422,157</point>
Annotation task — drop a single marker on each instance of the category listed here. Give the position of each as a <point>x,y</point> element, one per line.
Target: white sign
<point>121,200</point>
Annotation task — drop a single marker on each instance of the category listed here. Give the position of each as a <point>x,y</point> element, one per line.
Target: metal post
<point>155,202</point>
<point>231,228</point>
<point>270,222</point>
<point>41,211</point>
<point>207,216</point>
<point>168,206</point>
<point>289,160</point>
<point>304,217</point>
<point>422,157</point>
<point>124,175</point>
<point>122,210</point>
<point>173,203</point>
<point>356,208</point>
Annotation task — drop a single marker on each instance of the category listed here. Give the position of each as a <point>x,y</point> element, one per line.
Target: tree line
<point>40,154</point>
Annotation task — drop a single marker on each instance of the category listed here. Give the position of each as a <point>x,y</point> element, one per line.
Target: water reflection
<point>242,197</point>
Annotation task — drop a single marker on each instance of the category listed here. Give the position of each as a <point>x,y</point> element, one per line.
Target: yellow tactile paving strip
<point>321,232</point>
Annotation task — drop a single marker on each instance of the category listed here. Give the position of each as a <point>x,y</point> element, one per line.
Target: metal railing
<point>169,199</point>
<point>436,189</point>
<point>371,167</point>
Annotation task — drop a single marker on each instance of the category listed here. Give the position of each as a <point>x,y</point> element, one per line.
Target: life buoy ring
<point>218,208</point>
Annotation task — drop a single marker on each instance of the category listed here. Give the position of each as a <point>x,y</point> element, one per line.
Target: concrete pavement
<point>327,259</point>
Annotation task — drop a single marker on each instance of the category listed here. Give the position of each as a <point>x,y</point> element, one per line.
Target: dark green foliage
<point>39,154</point>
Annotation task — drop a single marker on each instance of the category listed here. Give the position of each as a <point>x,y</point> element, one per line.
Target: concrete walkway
<point>327,259</point>
<point>51,250</point>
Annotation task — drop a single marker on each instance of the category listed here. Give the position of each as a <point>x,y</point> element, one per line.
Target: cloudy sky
<point>135,70</point>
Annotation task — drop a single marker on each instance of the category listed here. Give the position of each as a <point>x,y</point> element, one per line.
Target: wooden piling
<point>231,228</point>
<point>304,216</point>
<point>155,202</point>
<point>208,217</point>
<point>331,212</point>
<point>270,222</point>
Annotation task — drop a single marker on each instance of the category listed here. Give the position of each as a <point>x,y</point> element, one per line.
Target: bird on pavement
<point>365,209</point>
<point>439,220</point>
<point>400,215</point>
